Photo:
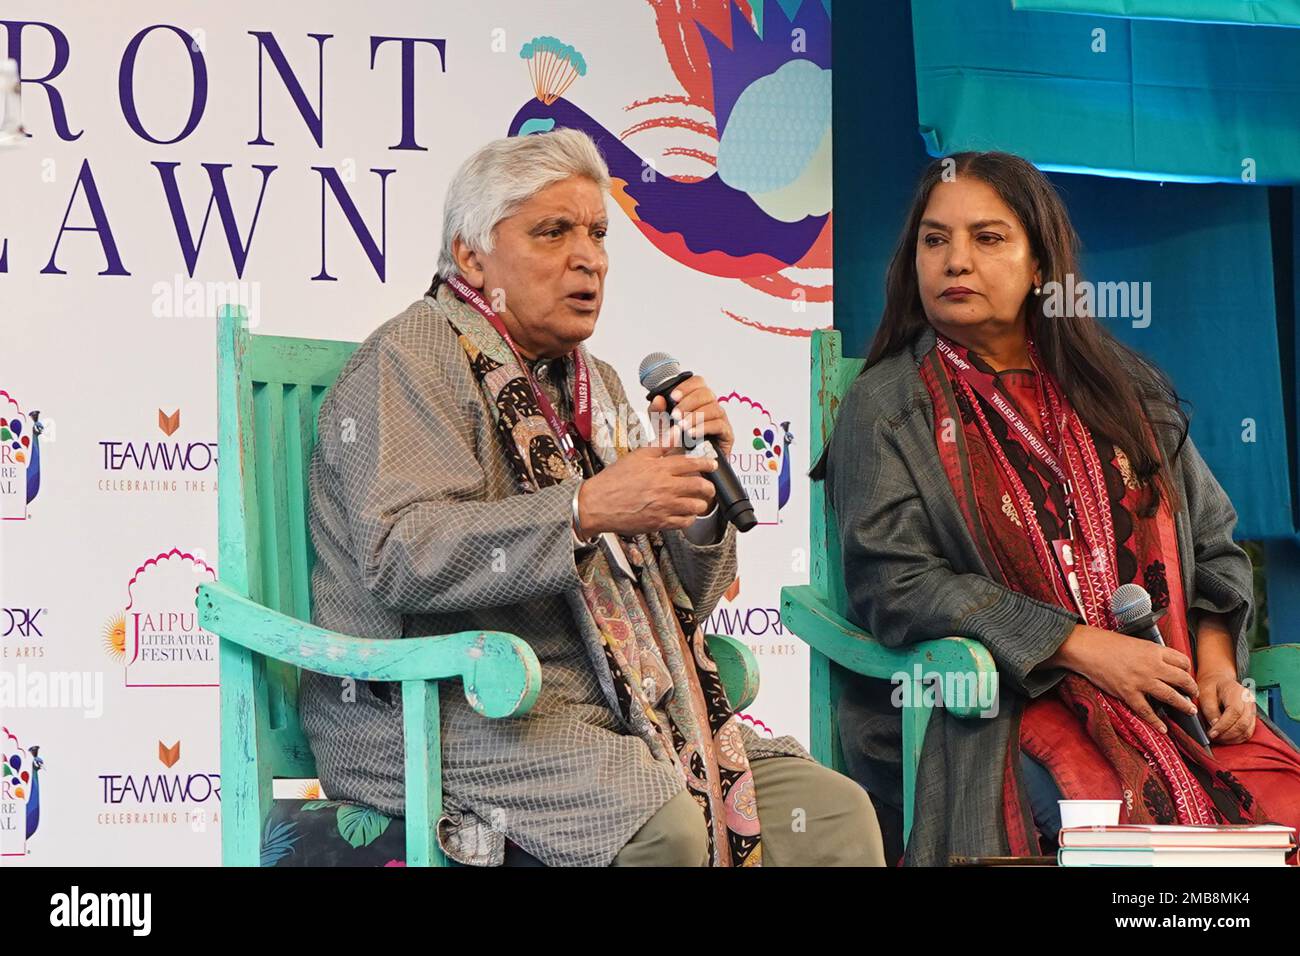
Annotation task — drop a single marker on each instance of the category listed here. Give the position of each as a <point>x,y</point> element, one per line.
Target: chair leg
<point>245,762</point>
<point>824,731</point>
<point>423,733</point>
<point>1282,565</point>
<point>916,717</point>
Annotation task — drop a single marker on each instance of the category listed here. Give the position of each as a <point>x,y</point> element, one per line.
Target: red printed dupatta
<point>1093,743</point>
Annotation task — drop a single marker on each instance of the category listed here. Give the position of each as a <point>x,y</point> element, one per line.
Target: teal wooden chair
<point>816,614</point>
<point>270,390</point>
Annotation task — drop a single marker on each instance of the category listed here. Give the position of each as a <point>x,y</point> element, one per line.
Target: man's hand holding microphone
<point>660,486</point>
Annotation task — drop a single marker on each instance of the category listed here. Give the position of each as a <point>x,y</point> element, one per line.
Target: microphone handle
<point>735,504</point>
<point>1190,723</point>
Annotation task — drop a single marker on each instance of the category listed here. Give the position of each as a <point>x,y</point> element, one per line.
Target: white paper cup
<point>1089,813</point>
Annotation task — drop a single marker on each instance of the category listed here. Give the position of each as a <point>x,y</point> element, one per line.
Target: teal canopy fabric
<point>1224,297</point>
<point>1286,208</point>
<point>1276,13</point>
<point>1165,100</point>
<point>1206,250</point>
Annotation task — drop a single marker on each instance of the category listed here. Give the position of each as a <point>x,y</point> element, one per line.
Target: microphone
<point>1131,605</point>
<point>660,373</point>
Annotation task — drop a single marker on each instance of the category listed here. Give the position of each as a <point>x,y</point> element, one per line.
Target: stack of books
<point>1156,845</point>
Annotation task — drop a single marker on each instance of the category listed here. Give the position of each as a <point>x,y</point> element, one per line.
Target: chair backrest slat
<point>298,437</point>
<point>277,385</point>
<point>832,374</point>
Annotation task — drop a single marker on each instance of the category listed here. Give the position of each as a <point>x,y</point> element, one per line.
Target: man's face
<point>546,272</point>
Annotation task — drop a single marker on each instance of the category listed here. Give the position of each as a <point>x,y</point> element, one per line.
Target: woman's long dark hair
<point>1114,389</point>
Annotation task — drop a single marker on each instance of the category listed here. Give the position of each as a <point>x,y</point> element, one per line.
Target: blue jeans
<point>1043,794</point>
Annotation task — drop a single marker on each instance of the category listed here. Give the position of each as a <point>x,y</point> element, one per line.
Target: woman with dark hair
<point>998,471</point>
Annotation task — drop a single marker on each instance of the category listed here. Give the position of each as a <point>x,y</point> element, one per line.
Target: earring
<point>1038,290</point>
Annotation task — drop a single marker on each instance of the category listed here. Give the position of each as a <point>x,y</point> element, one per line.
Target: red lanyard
<point>1063,549</point>
<point>581,385</point>
<point>984,385</point>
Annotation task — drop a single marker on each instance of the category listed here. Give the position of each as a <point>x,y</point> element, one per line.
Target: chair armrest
<point>737,669</point>
<point>807,615</point>
<point>499,671</point>
<point>1278,665</point>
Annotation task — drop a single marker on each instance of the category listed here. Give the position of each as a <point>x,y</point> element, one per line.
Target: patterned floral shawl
<point>651,656</point>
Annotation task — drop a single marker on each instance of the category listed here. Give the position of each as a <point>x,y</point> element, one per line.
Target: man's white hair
<point>503,175</point>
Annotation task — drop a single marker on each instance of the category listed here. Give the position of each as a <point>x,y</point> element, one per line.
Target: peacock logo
<point>761,455</point>
<point>20,793</point>
<point>552,66</point>
<point>20,458</point>
<point>748,204</point>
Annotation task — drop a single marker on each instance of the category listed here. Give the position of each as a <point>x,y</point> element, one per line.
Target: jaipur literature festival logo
<point>20,458</point>
<point>20,794</point>
<point>164,791</point>
<point>157,637</point>
<point>165,462</point>
<point>760,456</point>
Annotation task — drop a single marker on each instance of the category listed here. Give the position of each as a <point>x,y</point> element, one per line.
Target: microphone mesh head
<point>1129,603</point>
<point>657,368</point>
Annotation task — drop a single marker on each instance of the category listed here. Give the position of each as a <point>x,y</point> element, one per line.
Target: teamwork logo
<point>758,625</point>
<point>22,631</point>
<point>760,456</point>
<point>175,794</point>
<point>134,464</point>
<point>20,458</point>
<point>157,636</point>
<point>20,793</point>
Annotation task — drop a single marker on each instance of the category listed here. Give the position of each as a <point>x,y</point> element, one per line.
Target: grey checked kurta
<point>419,529</point>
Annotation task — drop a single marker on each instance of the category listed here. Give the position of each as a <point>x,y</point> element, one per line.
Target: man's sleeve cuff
<point>704,530</point>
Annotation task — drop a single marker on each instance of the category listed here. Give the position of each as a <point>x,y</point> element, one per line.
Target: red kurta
<point>1072,730</point>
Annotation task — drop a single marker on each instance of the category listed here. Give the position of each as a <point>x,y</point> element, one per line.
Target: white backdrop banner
<point>292,157</point>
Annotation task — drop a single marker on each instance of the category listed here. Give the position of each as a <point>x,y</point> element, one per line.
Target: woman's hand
<point>1228,706</point>
<point>1130,669</point>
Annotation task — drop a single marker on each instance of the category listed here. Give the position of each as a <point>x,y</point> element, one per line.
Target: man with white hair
<point>478,469</point>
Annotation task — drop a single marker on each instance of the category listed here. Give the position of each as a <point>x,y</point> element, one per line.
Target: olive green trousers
<point>809,816</point>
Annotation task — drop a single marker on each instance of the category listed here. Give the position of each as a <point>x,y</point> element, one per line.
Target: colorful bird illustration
<point>776,457</point>
<point>34,469</point>
<point>24,448</point>
<point>767,206</point>
<point>783,481</point>
<point>34,804</point>
<point>22,782</point>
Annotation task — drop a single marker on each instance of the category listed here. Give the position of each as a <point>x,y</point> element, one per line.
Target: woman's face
<point>973,261</point>
<point>545,274</point>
